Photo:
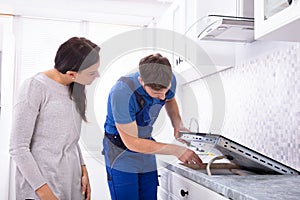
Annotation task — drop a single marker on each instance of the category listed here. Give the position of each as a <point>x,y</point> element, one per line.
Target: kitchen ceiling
<point>129,12</point>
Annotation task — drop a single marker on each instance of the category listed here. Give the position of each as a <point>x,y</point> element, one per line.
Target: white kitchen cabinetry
<point>163,188</point>
<point>176,187</point>
<point>183,17</point>
<point>281,26</point>
<point>173,19</point>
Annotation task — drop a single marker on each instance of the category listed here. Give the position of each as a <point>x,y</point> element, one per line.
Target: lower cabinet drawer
<point>163,178</point>
<point>162,194</point>
<point>183,188</point>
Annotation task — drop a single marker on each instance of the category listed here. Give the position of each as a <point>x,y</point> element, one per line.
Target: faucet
<point>193,119</point>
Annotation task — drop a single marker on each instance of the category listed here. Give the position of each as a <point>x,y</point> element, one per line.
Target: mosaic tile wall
<point>263,104</point>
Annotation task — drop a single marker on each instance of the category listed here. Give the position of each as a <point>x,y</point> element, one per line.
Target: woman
<point>46,126</point>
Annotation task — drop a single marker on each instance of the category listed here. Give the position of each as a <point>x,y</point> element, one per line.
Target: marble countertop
<point>249,187</point>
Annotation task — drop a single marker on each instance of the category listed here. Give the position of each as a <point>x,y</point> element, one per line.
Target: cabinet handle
<point>183,193</point>
<point>178,61</point>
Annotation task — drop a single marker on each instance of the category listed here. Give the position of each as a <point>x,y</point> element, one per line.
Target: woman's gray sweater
<point>44,140</point>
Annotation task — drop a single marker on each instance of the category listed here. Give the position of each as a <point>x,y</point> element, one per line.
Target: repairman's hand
<point>178,134</point>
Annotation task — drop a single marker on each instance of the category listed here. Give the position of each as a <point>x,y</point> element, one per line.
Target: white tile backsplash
<point>267,117</point>
<point>263,103</point>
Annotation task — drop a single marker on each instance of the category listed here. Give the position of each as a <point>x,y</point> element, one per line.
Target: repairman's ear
<point>141,80</point>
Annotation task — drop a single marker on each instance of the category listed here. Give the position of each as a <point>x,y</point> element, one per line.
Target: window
<point>38,41</point>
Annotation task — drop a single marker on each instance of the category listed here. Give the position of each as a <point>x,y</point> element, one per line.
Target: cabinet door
<point>162,194</point>
<point>163,178</point>
<point>183,188</point>
<point>277,21</point>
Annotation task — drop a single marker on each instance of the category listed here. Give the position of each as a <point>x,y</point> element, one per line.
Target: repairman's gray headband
<point>156,73</point>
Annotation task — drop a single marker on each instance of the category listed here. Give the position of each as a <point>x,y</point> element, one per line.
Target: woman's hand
<point>85,183</point>
<point>45,193</point>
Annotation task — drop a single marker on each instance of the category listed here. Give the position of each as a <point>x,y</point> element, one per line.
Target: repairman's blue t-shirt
<point>122,105</point>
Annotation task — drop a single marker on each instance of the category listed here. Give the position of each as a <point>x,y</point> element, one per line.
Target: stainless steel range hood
<point>226,28</point>
<point>221,33</point>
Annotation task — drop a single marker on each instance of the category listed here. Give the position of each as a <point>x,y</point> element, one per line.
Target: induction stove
<point>238,154</point>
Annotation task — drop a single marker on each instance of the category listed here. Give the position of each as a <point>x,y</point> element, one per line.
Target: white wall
<point>36,41</point>
<point>0,69</point>
<point>7,93</point>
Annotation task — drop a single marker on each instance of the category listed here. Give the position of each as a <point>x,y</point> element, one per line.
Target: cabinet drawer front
<point>163,178</point>
<point>162,194</point>
<point>184,188</point>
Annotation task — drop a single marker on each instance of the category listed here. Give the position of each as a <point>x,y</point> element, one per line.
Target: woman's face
<point>88,75</point>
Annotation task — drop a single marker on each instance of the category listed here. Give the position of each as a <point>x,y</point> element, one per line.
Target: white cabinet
<point>282,25</point>
<point>183,17</point>
<point>174,18</point>
<point>163,188</point>
<point>183,14</point>
<point>178,187</point>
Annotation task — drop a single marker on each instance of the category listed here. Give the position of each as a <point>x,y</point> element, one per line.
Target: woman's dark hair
<point>76,54</point>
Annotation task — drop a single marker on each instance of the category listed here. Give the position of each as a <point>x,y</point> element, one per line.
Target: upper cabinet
<point>183,15</point>
<point>188,17</point>
<point>174,18</point>
<point>277,20</point>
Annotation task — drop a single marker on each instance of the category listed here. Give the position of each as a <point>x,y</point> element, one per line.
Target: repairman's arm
<point>129,135</point>
<point>173,112</point>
